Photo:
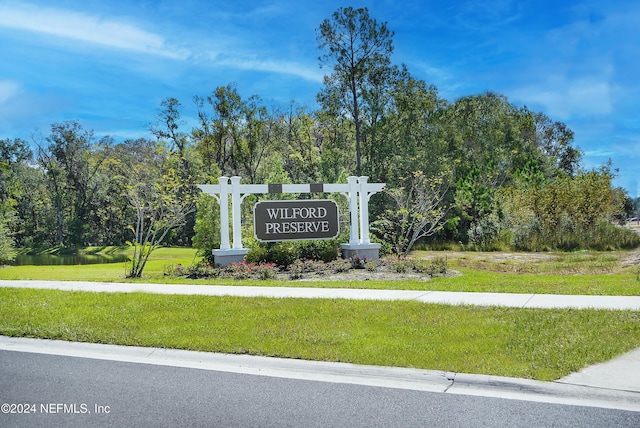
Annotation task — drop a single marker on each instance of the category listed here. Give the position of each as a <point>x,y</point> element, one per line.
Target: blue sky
<point>109,64</point>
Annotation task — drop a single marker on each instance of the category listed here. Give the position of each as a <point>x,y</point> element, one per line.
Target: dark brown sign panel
<point>295,220</point>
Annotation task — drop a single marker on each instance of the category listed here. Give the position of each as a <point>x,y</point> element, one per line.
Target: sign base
<point>362,251</point>
<point>227,257</point>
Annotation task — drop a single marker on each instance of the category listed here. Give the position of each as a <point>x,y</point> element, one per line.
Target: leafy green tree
<point>7,252</point>
<point>258,137</point>
<point>72,164</point>
<point>110,209</point>
<point>335,137</point>
<point>357,48</point>
<point>239,134</point>
<point>219,136</point>
<point>301,146</point>
<point>207,228</point>
<point>12,155</point>
<point>34,223</point>
<point>377,116</point>
<point>13,152</point>
<point>554,140</point>
<point>168,129</point>
<point>413,136</point>
<point>167,126</point>
<point>490,141</point>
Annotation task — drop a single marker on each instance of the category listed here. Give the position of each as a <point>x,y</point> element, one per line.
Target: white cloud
<point>279,67</point>
<point>117,33</point>
<point>488,15</point>
<point>109,33</point>
<point>8,90</point>
<point>564,98</point>
<point>600,153</point>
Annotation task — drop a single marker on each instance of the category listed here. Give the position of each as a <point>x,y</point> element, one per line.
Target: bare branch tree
<point>420,211</point>
<point>156,190</point>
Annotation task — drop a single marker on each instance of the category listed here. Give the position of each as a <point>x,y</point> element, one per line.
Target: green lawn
<point>526,343</point>
<point>579,273</point>
<point>109,272</point>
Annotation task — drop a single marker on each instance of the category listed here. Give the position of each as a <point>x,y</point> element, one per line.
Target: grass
<point>622,284</point>
<point>582,273</point>
<point>526,343</point>
<point>111,272</point>
<point>582,262</point>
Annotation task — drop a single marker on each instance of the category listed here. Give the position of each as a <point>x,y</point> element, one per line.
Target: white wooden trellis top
<point>357,190</point>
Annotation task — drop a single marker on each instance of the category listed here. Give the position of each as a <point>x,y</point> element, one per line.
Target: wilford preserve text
<point>285,220</point>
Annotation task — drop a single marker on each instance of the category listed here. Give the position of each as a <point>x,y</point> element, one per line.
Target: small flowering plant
<point>358,262</point>
<point>301,268</point>
<point>242,270</point>
<point>339,265</point>
<point>245,270</point>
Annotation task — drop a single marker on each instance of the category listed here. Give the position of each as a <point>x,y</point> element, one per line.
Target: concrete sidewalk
<point>614,384</point>
<point>547,301</point>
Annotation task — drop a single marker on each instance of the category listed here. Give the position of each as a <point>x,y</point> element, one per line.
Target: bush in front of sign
<point>282,254</point>
<point>257,255</point>
<point>325,250</point>
<point>286,253</point>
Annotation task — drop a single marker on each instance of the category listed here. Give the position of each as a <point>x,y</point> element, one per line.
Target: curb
<point>557,392</point>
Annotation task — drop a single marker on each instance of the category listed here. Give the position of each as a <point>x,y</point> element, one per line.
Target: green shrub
<point>339,265</point>
<point>287,252</point>
<point>385,247</point>
<point>372,265</point>
<point>436,266</point>
<point>485,232</point>
<point>207,226</point>
<point>401,265</point>
<point>299,267</point>
<point>201,269</point>
<point>283,253</point>
<point>568,236</point>
<point>257,255</point>
<point>324,250</point>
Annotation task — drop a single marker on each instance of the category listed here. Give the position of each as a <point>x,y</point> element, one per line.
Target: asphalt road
<point>83,392</point>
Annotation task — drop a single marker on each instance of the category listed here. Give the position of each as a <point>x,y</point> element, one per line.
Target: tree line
<point>478,170</point>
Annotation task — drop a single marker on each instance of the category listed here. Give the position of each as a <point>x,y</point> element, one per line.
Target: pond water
<point>67,259</point>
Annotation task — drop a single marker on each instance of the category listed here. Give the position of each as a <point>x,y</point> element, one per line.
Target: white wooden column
<point>353,209</point>
<point>236,214</point>
<point>364,210</point>
<point>224,213</point>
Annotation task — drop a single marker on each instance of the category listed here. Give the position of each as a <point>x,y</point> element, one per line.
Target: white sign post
<point>357,190</point>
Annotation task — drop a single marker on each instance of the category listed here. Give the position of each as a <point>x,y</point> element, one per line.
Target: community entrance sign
<point>286,220</point>
<point>357,190</point>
